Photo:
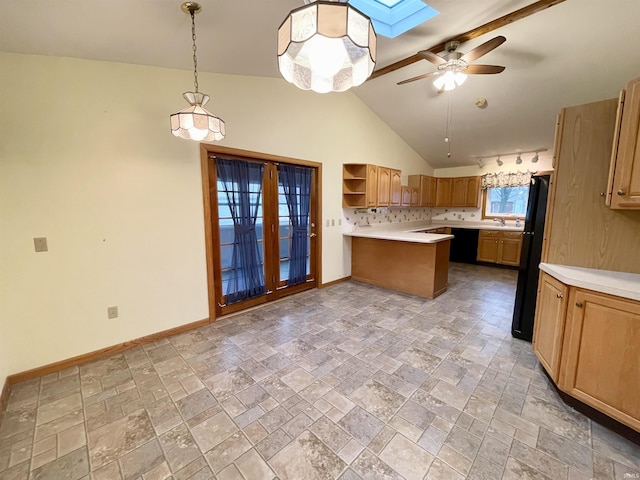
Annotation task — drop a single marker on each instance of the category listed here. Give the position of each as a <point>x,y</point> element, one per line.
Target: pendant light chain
<point>195,49</point>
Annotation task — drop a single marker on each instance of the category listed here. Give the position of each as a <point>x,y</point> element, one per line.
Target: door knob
<point>312,234</point>
<point>579,304</point>
<point>620,192</point>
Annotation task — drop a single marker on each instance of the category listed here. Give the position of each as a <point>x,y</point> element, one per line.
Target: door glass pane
<point>240,197</point>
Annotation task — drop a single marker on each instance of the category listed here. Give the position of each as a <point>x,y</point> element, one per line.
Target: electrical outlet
<point>112,312</point>
<point>333,222</point>
<point>328,222</point>
<point>40,244</point>
<point>339,221</point>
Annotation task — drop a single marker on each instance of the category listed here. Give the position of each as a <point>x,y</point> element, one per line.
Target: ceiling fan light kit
<point>326,46</point>
<point>195,122</point>
<point>454,66</point>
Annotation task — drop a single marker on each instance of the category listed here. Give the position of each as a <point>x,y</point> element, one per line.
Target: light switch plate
<point>112,312</point>
<point>40,244</point>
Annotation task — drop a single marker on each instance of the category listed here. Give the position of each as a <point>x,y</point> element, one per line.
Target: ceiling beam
<point>476,32</point>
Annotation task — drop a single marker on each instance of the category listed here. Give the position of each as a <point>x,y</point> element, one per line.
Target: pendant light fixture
<point>195,122</point>
<point>326,46</point>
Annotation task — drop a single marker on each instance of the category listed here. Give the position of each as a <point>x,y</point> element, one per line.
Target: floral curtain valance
<point>506,179</point>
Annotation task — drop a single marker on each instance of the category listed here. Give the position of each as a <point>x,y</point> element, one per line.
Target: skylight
<point>394,17</point>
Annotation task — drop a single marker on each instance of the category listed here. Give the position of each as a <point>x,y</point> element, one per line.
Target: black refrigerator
<point>528,271</point>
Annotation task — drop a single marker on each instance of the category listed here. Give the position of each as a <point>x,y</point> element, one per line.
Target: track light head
<point>535,158</point>
<point>499,162</point>
<point>518,160</point>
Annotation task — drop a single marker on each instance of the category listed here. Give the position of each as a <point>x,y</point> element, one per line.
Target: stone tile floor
<point>348,382</point>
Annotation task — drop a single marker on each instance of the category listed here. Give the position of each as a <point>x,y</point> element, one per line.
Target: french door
<point>263,230</point>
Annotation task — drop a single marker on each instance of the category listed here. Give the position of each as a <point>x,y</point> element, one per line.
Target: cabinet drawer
<point>489,233</point>
<point>515,235</point>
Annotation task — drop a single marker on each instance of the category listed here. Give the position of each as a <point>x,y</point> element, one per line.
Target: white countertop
<point>620,284</point>
<point>410,231</point>
<point>401,232</point>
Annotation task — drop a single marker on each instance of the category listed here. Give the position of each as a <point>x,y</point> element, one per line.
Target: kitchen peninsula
<point>401,257</point>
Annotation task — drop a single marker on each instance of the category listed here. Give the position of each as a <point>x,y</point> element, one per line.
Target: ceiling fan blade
<point>419,77</point>
<point>483,69</point>
<point>483,49</point>
<point>432,57</point>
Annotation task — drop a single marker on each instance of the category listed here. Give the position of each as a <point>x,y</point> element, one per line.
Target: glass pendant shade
<point>195,122</point>
<point>326,46</point>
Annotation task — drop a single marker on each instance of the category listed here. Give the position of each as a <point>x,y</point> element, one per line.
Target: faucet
<point>501,220</point>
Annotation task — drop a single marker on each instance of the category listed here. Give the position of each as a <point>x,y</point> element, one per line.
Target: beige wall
<point>87,160</point>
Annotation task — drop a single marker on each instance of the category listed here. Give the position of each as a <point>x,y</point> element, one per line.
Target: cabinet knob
<point>620,192</point>
<point>559,295</point>
<point>579,304</point>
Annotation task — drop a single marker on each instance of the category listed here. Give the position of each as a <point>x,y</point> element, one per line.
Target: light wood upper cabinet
<point>406,196</point>
<point>473,192</point>
<point>372,185</point>
<point>495,246</point>
<point>443,192</point>
<point>548,326</point>
<point>459,192</point>
<point>580,229</point>
<point>624,175</point>
<point>455,192</point>
<point>395,194</point>
<point>384,187</point>
<point>426,190</point>
<point>432,189</point>
<point>355,185</point>
<point>600,354</point>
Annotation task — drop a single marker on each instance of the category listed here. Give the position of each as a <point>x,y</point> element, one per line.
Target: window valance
<point>506,179</point>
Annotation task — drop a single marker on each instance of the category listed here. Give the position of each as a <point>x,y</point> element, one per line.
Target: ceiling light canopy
<point>195,122</point>
<point>326,46</point>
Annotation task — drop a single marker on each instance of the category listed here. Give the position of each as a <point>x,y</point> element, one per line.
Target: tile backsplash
<point>385,215</point>
<point>458,214</point>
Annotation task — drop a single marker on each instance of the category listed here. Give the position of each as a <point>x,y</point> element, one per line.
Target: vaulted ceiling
<point>575,52</point>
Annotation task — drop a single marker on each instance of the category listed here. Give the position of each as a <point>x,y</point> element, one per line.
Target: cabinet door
<point>488,244</point>
<point>443,192</point>
<point>510,246</point>
<point>432,190</point>
<point>601,358</point>
<point>459,192</point>
<point>406,196</point>
<point>396,188</point>
<point>384,187</point>
<point>473,192</point>
<point>548,326</point>
<point>372,185</point>
<point>626,174</point>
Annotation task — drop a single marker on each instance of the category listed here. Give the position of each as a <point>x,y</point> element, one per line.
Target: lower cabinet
<point>548,327</point>
<point>588,343</point>
<point>495,246</point>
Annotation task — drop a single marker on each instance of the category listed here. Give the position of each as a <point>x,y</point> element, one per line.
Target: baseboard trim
<point>96,355</point>
<point>335,282</point>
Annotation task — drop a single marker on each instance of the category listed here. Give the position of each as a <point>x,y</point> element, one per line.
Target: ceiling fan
<point>454,66</point>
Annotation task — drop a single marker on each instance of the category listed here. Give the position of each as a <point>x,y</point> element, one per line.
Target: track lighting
<point>535,158</point>
<point>480,162</point>
<point>499,162</point>
<point>518,160</point>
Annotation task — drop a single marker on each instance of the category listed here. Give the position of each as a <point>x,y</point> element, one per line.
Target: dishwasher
<point>464,245</point>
